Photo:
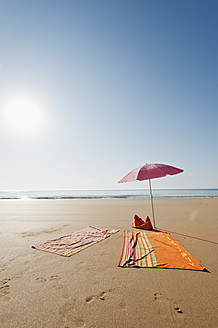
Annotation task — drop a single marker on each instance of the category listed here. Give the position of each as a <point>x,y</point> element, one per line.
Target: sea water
<point>108,194</point>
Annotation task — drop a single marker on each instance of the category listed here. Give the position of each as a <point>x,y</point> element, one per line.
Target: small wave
<point>108,194</point>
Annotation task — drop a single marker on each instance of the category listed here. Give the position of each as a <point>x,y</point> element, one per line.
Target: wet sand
<point>40,289</point>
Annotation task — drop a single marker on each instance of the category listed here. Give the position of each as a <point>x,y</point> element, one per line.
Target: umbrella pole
<point>152,205</point>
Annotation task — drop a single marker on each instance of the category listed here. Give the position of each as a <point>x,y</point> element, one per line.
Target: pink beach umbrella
<point>148,172</point>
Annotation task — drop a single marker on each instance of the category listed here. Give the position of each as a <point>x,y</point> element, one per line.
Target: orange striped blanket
<point>74,242</point>
<point>155,249</point>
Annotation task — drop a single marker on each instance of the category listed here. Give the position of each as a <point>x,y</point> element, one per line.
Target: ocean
<point>108,194</point>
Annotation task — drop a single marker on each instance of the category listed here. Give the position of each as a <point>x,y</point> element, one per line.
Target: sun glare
<point>23,116</point>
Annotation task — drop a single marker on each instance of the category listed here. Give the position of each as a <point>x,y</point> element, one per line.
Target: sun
<point>23,115</point>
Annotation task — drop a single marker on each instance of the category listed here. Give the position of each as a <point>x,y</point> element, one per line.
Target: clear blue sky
<point>117,84</point>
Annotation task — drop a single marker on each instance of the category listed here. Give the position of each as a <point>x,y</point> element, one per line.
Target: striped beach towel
<point>155,249</point>
<point>74,242</point>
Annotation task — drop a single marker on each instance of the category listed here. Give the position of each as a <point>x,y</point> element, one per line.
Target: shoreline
<point>107,198</point>
<point>110,194</point>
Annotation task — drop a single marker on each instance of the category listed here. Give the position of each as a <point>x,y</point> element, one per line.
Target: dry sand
<point>40,289</point>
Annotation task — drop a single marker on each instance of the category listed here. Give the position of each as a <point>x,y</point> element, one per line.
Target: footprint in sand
<point>166,305</point>
<point>67,311</point>
<point>162,304</point>
<point>56,282</point>
<point>178,310</point>
<point>40,280</point>
<point>66,296</point>
<point>68,315</point>
<point>101,296</point>
<point>90,299</point>
<point>55,278</point>
<point>158,297</point>
<point>4,289</point>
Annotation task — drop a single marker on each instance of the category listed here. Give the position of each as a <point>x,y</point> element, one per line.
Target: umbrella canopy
<point>148,172</point>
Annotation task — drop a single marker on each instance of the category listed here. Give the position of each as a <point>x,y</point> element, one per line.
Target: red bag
<point>140,224</point>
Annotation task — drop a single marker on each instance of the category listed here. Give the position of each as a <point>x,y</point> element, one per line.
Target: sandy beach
<point>44,290</point>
